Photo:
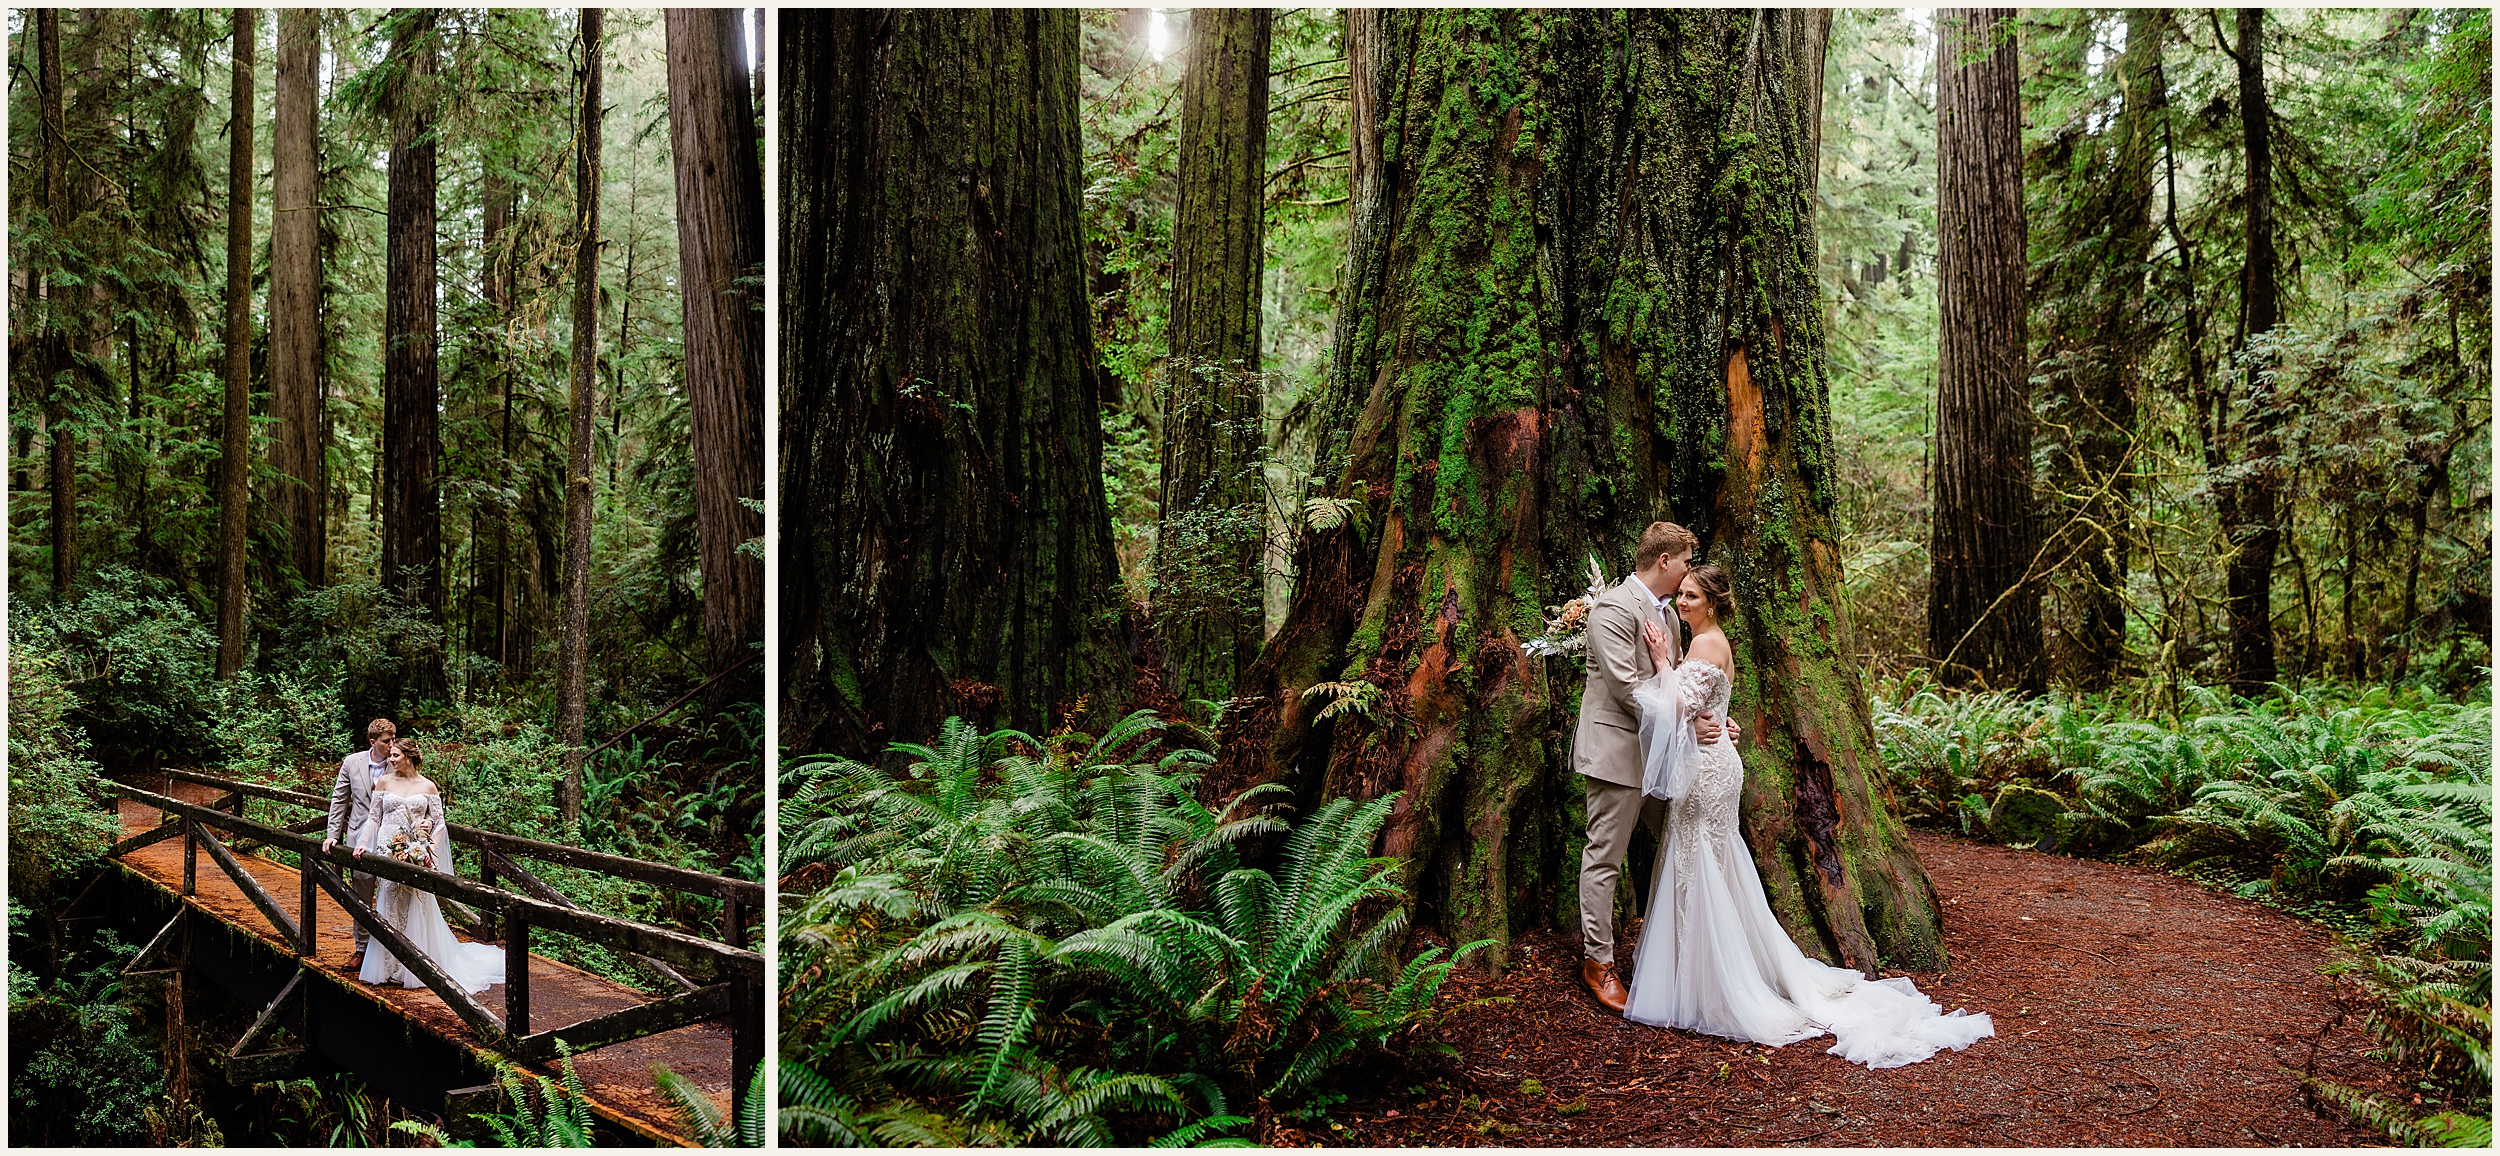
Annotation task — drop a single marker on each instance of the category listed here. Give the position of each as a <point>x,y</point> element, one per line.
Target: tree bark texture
<point>1584,300</point>
<point>496,212</point>
<point>2093,272</point>
<point>412,532</point>
<point>720,252</point>
<point>1983,607</point>
<point>2248,499</point>
<point>234,484</point>
<point>295,293</point>
<point>945,546</point>
<point>1211,523</point>
<point>53,360</point>
<point>573,659</point>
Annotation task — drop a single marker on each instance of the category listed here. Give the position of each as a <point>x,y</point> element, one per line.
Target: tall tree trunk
<point>945,547</point>
<point>2248,500</point>
<point>53,360</point>
<point>720,256</point>
<point>412,531</point>
<point>1584,300</point>
<point>1211,526</point>
<point>295,292</point>
<point>573,661</point>
<point>1983,608</point>
<point>2094,308</point>
<point>234,489</point>
<point>496,278</point>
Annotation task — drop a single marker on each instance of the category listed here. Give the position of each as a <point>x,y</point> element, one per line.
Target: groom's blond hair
<point>380,728</point>
<point>1662,540</point>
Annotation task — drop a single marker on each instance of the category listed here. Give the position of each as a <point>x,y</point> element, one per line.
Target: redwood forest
<point>384,385</point>
<point>1198,428</point>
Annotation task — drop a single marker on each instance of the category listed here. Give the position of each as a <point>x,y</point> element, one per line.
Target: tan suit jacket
<point>1607,746</point>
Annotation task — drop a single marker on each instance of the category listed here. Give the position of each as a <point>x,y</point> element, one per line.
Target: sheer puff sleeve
<point>1669,703</point>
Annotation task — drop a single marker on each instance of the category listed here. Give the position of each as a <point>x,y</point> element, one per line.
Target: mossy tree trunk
<point>720,252</point>
<point>234,481</point>
<point>1983,603</point>
<point>573,655</point>
<point>2094,262</point>
<point>412,517</point>
<point>52,358</point>
<point>945,549</point>
<point>295,292</point>
<point>2247,494</point>
<point>1211,526</point>
<point>1581,298</point>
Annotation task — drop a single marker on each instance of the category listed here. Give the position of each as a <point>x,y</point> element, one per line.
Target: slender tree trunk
<point>53,359</point>
<point>497,196</point>
<point>720,255</point>
<point>2095,333</point>
<point>1211,524</point>
<point>295,291</point>
<point>1589,302</point>
<point>573,664</point>
<point>412,532</point>
<point>235,483</point>
<point>1983,609</point>
<point>945,547</point>
<point>2248,501</point>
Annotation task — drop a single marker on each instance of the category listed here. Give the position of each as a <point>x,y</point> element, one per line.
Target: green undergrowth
<point>1050,941</point>
<point>2365,808</point>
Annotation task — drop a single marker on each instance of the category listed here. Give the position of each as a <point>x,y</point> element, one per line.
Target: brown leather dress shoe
<point>1600,979</point>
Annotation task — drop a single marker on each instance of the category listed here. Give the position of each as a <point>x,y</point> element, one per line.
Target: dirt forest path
<point>2132,1008</point>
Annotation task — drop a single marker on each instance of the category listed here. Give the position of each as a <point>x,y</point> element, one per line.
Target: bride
<point>408,825</point>
<point>1712,957</point>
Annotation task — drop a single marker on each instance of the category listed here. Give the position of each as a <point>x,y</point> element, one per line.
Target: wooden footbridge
<point>280,940</point>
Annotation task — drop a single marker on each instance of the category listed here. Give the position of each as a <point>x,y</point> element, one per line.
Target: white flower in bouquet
<point>1567,626</point>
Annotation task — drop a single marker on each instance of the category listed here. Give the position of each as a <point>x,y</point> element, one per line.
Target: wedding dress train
<point>423,836</point>
<point>1712,957</point>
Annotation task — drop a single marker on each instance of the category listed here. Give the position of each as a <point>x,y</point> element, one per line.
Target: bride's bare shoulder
<point>1713,649</point>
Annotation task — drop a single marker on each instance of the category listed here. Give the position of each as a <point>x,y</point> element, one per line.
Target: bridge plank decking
<point>618,1078</point>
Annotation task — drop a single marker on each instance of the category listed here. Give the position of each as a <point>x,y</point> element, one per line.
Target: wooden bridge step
<point>618,1077</point>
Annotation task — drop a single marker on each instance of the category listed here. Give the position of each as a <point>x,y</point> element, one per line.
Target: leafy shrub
<point>713,1126</point>
<point>1018,941</point>
<point>80,1071</point>
<point>55,827</point>
<point>542,1113</point>
<point>2433,1020</point>
<point>141,660</point>
<point>364,639</point>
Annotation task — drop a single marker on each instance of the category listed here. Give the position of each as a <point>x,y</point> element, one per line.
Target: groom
<point>351,800</point>
<point>1607,748</point>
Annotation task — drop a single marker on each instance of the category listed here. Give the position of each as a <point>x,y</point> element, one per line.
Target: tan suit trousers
<point>1613,811</point>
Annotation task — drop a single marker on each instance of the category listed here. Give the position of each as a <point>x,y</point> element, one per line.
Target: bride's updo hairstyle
<point>408,747</point>
<point>1713,584</point>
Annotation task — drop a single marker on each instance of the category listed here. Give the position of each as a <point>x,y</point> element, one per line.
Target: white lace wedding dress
<point>1712,956</point>
<point>418,914</point>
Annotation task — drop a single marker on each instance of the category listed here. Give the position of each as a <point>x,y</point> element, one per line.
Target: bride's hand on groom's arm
<point>1657,640</point>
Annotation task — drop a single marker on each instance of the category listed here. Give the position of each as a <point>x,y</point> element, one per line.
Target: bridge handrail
<point>642,938</point>
<point>682,879</point>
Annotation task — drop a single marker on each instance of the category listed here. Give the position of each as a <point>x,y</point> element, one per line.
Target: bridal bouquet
<point>413,846</point>
<point>1567,626</point>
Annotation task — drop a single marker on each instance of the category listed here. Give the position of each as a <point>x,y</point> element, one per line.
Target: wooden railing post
<point>308,904</point>
<point>190,857</point>
<point>733,926</point>
<point>746,1041</point>
<point>516,973</point>
<point>489,922</point>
